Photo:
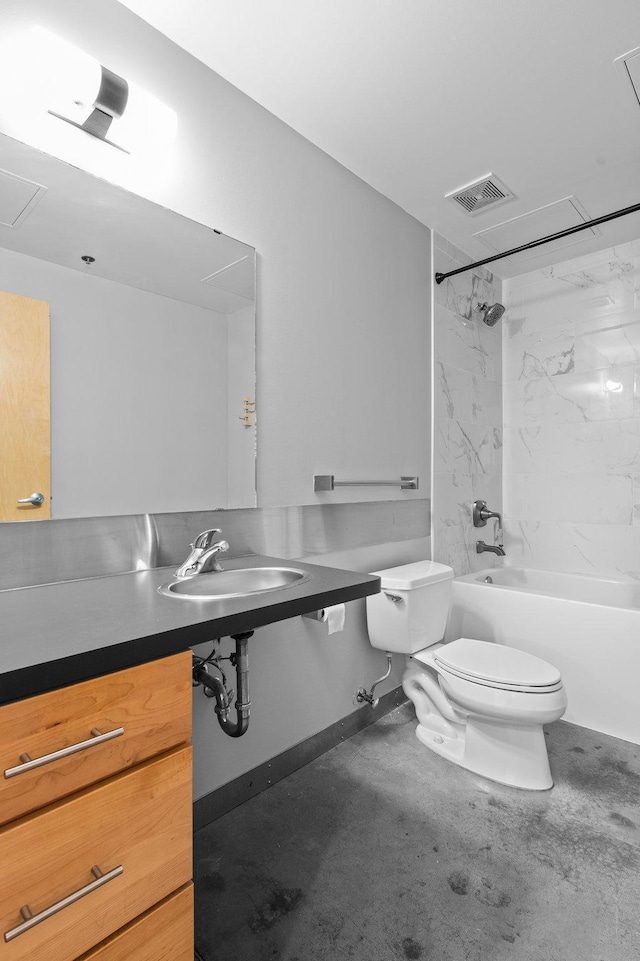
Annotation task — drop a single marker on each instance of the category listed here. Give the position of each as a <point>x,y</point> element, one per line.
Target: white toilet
<point>479,704</point>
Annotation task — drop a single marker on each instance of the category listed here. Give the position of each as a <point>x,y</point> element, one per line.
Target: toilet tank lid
<point>408,577</point>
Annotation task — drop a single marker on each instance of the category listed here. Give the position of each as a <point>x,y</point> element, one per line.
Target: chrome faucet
<point>203,555</point>
<point>482,548</point>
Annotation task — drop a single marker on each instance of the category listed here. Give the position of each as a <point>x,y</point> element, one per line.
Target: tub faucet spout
<point>482,548</point>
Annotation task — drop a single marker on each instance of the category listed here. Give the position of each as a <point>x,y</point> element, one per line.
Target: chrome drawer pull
<point>30,920</point>
<point>29,764</point>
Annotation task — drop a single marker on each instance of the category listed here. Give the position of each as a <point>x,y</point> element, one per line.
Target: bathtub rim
<point>473,579</point>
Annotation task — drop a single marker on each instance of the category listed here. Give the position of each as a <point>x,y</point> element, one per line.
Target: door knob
<point>35,499</point>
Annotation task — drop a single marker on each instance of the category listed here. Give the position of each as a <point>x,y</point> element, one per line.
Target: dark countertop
<point>57,634</point>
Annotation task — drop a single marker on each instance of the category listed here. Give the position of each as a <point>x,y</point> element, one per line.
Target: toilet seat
<point>493,665</point>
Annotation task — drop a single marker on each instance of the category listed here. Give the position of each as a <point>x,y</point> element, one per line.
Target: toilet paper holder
<point>315,615</point>
<point>332,615</point>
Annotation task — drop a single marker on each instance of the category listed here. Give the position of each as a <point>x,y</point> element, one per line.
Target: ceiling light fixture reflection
<point>613,387</point>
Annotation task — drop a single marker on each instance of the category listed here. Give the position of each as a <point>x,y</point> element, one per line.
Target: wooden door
<point>25,445</point>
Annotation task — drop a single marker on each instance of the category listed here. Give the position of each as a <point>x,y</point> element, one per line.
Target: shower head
<point>491,314</point>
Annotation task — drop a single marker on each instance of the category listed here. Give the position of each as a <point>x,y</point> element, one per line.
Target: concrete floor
<point>380,850</point>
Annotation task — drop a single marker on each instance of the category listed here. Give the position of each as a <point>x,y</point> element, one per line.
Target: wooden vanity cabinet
<point>96,843</point>
<point>135,714</point>
<point>163,934</point>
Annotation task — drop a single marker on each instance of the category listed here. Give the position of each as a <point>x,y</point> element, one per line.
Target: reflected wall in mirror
<point>151,320</point>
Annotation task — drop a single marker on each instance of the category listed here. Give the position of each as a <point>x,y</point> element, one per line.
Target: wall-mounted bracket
<point>315,615</point>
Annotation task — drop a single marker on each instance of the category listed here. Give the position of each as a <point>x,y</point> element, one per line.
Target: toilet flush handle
<point>396,598</point>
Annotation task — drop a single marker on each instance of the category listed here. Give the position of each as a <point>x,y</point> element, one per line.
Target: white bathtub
<point>588,627</point>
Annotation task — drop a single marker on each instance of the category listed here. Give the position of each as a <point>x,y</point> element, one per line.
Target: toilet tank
<point>411,610</point>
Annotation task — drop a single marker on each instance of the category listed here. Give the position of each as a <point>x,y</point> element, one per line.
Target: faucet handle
<point>204,540</point>
<point>481,514</point>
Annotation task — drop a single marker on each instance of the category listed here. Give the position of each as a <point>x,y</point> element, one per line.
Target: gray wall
<point>241,374</point>
<point>343,319</point>
<point>124,426</point>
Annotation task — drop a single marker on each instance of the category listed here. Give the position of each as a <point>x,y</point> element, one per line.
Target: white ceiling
<point>420,97</point>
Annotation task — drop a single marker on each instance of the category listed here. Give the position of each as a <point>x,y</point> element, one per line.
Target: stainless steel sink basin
<point>239,583</point>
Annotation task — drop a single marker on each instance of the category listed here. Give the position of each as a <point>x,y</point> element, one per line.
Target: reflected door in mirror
<point>24,407</point>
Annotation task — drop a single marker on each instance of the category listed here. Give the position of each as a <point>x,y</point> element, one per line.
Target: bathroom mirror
<point>127,341</point>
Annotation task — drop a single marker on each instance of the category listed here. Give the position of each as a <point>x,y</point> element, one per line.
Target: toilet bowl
<point>479,704</point>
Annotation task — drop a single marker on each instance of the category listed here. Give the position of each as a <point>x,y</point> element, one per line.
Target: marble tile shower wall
<point>572,415</point>
<point>467,436</point>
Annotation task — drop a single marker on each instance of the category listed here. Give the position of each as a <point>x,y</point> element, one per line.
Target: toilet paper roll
<point>333,617</point>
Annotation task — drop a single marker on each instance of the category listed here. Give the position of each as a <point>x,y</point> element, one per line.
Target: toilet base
<point>511,755</point>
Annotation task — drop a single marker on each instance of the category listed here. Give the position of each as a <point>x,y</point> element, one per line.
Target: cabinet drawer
<point>135,827</point>
<point>163,934</point>
<point>149,704</point>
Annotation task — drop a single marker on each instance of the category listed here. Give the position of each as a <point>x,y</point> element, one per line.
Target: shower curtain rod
<point>543,240</point>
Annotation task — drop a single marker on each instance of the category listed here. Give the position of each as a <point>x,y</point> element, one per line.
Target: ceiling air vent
<point>477,196</point>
